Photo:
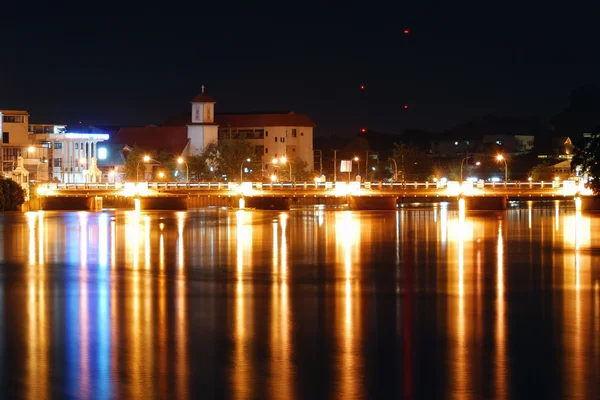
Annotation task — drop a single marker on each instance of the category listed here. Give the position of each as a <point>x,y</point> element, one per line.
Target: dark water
<point>418,303</point>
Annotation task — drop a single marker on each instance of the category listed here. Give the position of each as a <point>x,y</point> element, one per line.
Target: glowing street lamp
<point>242,170</point>
<point>357,165</point>
<point>395,178</point>
<point>283,160</point>
<point>500,157</point>
<point>161,175</point>
<point>145,159</point>
<point>30,149</point>
<point>180,160</point>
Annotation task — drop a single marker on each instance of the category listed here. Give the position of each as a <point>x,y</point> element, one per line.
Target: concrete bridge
<point>356,195</point>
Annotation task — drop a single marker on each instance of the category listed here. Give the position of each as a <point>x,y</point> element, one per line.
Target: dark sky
<point>122,66</point>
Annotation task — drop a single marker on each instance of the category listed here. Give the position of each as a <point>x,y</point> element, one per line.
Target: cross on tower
<point>203,88</point>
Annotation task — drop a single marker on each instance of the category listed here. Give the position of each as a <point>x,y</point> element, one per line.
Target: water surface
<point>419,303</point>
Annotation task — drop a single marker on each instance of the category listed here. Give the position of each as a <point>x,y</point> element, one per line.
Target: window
<point>266,150</point>
<point>275,139</point>
<point>294,133</point>
<point>14,118</point>
<point>5,137</point>
<point>58,162</point>
<point>267,133</point>
<point>76,146</point>
<point>282,140</point>
<point>301,133</point>
<point>57,145</point>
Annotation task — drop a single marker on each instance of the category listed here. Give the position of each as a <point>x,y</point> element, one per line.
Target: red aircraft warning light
<point>406,31</point>
<point>363,130</point>
<point>405,106</point>
<point>362,87</point>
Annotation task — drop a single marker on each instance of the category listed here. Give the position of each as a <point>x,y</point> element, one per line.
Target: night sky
<point>65,65</point>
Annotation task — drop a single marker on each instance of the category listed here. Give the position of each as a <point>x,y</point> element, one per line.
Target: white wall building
<point>49,152</point>
<point>271,134</point>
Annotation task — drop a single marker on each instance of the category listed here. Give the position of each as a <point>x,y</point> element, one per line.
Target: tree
<point>542,172</point>
<point>134,164</point>
<point>587,158</point>
<point>299,170</point>
<point>135,167</point>
<point>12,194</point>
<point>228,156</point>
<point>412,162</point>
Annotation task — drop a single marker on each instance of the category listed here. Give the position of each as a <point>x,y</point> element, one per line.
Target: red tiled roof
<point>203,98</point>
<point>260,120</point>
<point>172,139</point>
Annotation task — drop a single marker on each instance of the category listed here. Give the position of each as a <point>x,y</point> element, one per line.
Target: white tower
<point>203,130</point>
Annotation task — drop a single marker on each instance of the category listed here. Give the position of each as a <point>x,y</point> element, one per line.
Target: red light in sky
<point>362,87</point>
<point>363,130</point>
<point>406,31</point>
<point>405,106</point>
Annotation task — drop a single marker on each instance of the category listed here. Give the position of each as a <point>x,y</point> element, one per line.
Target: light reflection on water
<point>433,302</point>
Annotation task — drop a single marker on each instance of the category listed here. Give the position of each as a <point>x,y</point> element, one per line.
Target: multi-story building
<point>49,151</point>
<point>272,134</point>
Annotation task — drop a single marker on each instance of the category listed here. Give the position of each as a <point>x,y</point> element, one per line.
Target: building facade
<point>49,151</point>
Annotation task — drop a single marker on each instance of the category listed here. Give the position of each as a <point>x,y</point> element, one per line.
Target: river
<point>424,302</point>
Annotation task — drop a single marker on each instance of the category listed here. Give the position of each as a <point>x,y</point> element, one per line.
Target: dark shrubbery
<point>12,195</point>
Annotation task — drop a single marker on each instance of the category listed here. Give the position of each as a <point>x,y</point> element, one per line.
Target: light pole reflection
<point>348,231</point>
<point>501,367</point>
<point>241,370</point>
<point>281,364</point>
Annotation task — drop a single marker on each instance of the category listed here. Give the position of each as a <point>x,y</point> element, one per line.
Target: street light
<point>242,170</point>
<point>283,160</point>
<point>180,160</point>
<point>161,175</point>
<point>357,165</point>
<point>500,157</point>
<point>395,169</point>
<point>461,167</point>
<point>137,168</point>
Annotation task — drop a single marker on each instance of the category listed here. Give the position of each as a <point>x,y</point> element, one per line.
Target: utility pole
<point>320,155</point>
<point>367,165</point>
<point>335,165</point>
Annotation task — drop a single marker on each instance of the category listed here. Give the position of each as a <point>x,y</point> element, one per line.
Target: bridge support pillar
<point>372,202</point>
<point>163,203</point>
<point>487,203</point>
<point>268,203</point>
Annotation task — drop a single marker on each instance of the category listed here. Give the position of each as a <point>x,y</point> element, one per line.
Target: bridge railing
<point>308,186</point>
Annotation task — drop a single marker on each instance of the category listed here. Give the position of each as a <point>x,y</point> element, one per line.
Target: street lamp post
<point>500,157</point>
<point>284,160</point>
<point>180,160</point>
<point>137,168</point>
<point>461,168</point>
<point>242,170</point>
<point>357,166</point>
<point>395,169</point>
